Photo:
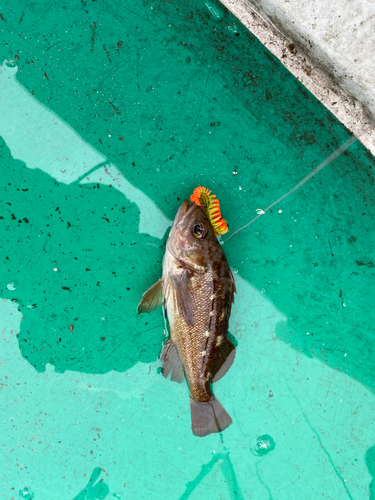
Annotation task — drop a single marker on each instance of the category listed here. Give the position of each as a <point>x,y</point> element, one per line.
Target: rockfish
<point>196,291</point>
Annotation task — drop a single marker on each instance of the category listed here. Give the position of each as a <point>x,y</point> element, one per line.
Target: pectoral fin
<point>152,299</point>
<point>183,297</point>
<point>171,361</point>
<point>224,360</point>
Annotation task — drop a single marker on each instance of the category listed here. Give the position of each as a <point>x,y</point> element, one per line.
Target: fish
<point>196,291</point>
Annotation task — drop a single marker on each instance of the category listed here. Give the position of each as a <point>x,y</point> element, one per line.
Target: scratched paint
<point>111,115</point>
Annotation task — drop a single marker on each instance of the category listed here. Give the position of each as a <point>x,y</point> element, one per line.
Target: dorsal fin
<point>234,289</point>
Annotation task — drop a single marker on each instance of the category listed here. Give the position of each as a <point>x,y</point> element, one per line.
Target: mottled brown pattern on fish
<point>196,289</point>
<point>198,345</point>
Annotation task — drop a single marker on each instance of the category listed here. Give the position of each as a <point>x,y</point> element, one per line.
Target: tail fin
<point>208,418</point>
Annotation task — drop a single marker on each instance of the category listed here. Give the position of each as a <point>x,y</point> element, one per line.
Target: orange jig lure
<point>211,206</point>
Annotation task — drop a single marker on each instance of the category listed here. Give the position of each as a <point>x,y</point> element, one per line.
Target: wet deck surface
<point>112,113</point>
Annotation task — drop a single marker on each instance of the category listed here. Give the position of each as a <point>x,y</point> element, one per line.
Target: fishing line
<point>320,167</point>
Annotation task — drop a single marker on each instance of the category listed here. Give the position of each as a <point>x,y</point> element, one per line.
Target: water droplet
<point>259,211</point>
<point>10,64</point>
<point>11,286</point>
<point>280,211</point>
<point>233,29</point>
<point>264,444</point>
<point>240,188</point>
<point>234,172</point>
<point>26,493</point>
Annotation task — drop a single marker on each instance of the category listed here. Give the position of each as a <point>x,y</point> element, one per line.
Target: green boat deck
<point>111,114</point>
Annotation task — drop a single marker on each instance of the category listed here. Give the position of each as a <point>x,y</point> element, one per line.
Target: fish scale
<point>191,341</point>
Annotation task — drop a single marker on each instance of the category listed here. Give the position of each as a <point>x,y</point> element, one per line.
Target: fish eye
<point>199,230</point>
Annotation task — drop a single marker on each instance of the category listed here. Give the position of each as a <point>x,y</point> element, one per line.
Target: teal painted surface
<point>111,115</point>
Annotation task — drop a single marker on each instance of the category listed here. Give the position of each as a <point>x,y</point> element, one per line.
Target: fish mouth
<point>183,210</point>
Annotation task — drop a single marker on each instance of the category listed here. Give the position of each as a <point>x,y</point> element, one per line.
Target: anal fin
<point>152,298</point>
<point>172,362</point>
<point>224,360</point>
